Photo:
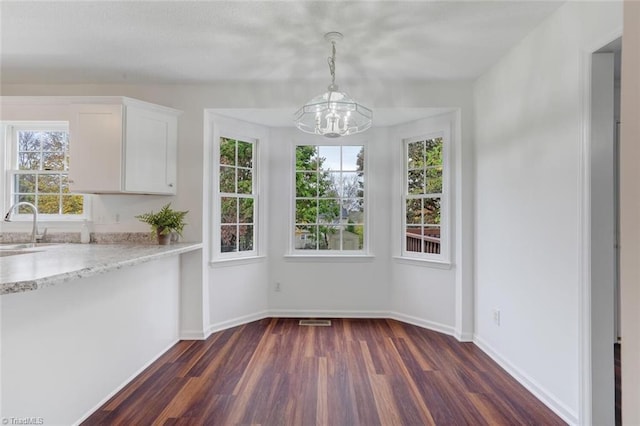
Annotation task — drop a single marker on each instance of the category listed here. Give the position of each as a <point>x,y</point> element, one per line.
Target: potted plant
<point>164,222</point>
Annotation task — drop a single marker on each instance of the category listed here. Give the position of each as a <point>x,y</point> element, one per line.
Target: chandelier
<point>333,113</point>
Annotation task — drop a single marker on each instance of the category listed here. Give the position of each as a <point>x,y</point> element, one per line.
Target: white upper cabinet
<point>121,145</point>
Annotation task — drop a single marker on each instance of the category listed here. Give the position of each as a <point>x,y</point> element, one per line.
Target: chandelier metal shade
<point>333,113</point>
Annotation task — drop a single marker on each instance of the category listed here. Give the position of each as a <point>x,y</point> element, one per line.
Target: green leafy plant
<point>165,221</point>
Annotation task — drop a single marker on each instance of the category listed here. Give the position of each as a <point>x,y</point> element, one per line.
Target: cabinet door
<point>95,148</point>
<point>150,151</point>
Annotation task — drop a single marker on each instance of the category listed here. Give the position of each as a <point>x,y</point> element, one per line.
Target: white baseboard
<point>192,335</point>
<point>429,325</point>
<point>463,337</point>
<point>546,397</point>
<point>311,313</point>
<point>234,322</point>
<point>125,383</point>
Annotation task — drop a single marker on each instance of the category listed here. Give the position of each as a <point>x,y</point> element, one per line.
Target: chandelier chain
<point>332,63</point>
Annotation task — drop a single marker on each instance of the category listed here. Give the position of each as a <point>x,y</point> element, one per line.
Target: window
<point>38,171</point>
<point>425,198</point>
<point>237,196</point>
<point>329,198</point>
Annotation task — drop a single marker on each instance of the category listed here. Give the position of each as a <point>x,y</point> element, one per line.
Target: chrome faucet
<point>35,236</point>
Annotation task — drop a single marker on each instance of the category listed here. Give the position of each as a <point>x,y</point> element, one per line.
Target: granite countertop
<point>46,266</point>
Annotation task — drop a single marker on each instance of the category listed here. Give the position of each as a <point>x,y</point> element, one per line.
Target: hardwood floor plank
<point>322,409</point>
<point>341,397</point>
<point>356,372</point>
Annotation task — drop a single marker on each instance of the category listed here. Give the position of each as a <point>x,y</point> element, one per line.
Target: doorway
<point>604,214</point>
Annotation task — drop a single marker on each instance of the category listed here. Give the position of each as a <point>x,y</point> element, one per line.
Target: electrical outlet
<point>278,288</point>
<point>496,317</point>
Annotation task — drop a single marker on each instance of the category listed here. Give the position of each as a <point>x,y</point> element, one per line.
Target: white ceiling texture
<point>198,42</point>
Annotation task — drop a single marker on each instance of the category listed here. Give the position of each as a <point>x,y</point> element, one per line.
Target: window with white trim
<point>329,207</point>
<point>425,230</point>
<point>237,196</point>
<point>38,166</point>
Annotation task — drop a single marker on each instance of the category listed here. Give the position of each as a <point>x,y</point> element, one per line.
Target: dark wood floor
<point>356,372</point>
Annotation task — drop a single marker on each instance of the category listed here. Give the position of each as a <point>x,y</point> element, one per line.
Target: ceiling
<point>207,41</point>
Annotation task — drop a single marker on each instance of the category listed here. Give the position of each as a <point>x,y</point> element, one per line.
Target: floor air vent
<point>316,322</point>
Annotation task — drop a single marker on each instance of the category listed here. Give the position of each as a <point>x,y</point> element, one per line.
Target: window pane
<point>306,158</point>
<point>48,184</point>
<point>228,210</point>
<point>329,238</point>
<point>306,237</point>
<point>329,184</point>
<point>227,151</point>
<point>29,161</point>
<point>306,184</point>
<point>414,212</point>
<point>246,210</point>
<point>64,183</point>
<point>432,240</point>
<point>245,183</point>
<point>352,158</point>
<point>433,152</point>
<point>53,141</point>
<point>25,183</point>
<point>49,204</point>
<point>245,154</point>
<point>62,140</point>
<point>353,237</point>
<point>431,211</point>
<point>29,198</point>
<point>415,153</point>
<point>72,204</point>
<point>329,157</point>
<point>28,141</point>
<point>227,179</point>
<point>228,238</point>
<point>434,180</point>
<point>328,211</point>
<point>414,239</point>
<point>416,181</point>
<point>347,184</point>
<point>246,237</point>
<point>353,210</point>
<point>306,211</point>
<point>53,161</point>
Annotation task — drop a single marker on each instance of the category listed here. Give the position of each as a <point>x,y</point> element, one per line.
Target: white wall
<point>234,292</point>
<point>630,212</point>
<point>326,286</point>
<point>425,293</point>
<point>527,244</point>
<point>65,349</point>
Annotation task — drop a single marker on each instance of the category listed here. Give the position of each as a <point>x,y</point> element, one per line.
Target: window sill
<point>235,261</point>
<point>347,258</point>
<point>439,264</point>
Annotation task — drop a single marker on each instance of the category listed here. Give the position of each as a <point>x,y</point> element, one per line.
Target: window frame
<point>444,257</point>
<point>9,132</point>
<point>216,250</point>
<point>319,253</point>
